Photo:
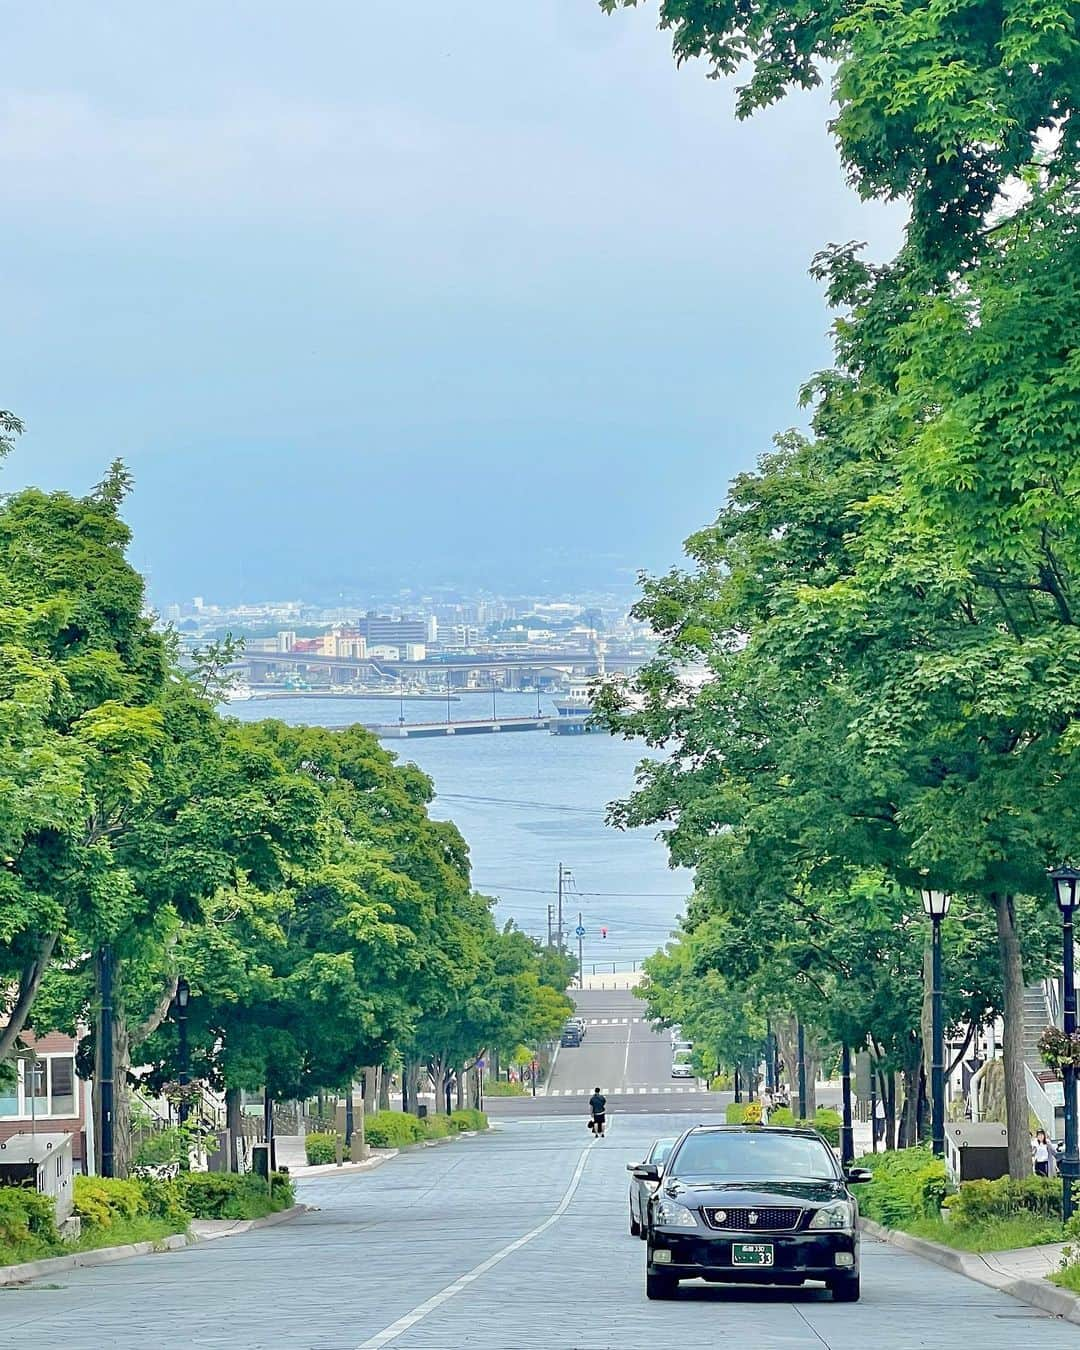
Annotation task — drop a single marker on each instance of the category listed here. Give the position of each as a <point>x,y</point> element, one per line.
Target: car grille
<point>753,1220</point>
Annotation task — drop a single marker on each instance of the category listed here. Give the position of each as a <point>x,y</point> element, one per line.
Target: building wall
<point>54,1043</point>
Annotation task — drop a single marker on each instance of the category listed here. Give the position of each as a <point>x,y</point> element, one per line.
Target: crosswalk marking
<point>622,1092</point>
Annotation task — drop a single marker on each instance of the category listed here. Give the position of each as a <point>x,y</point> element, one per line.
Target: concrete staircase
<point>1036,1020</point>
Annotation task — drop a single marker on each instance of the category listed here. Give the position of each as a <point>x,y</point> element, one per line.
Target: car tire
<point>635,1227</point>
<point>845,1288</point>
<point>658,1284</point>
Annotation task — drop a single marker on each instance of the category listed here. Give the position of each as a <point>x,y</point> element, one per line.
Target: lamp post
<point>1067,892</point>
<point>183,995</point>
<point>936,904</point>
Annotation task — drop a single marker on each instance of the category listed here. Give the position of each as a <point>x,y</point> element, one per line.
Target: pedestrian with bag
<point>598,1113</point>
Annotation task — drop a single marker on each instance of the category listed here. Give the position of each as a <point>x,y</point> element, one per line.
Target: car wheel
<point>635,1227</point>
<point>658,1284</point>
<point>845,1288</point>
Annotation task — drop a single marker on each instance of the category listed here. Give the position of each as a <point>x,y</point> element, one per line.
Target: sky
<point>369,292</point>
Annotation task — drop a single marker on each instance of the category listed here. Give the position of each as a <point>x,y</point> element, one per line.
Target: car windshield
<point>659,1151</point>
<point>757,1156</point>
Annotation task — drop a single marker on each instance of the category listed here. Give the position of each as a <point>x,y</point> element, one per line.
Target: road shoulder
<point>994,1269</point>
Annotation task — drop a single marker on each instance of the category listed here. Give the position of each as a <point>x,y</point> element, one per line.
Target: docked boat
<point>574,712</point>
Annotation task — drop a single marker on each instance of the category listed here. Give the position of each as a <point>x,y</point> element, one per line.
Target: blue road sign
<point>579,931</point>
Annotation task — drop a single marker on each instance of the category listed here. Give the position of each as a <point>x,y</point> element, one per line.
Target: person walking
<point>1041,1154</point>
<point>598,1110</point>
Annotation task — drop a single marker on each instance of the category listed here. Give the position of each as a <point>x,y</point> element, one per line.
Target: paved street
<point>433,1224</point>
<point>622,1055</point>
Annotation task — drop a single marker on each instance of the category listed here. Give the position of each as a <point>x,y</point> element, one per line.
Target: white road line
<point>626,1057</point>
<point>403,1324</point>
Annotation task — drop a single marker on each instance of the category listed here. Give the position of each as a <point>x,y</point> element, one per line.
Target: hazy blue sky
<point>363,289</point>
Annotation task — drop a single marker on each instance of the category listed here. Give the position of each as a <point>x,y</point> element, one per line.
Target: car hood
<point>732,1194</point>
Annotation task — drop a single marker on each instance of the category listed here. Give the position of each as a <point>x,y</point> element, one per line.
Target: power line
<point>516,801</point>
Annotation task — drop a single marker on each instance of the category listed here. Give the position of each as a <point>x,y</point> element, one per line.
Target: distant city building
<point>381,628</point>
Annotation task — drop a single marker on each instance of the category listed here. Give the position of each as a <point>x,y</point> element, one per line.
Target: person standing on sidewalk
<point>598,1108</point>
<point>1041,1154</point>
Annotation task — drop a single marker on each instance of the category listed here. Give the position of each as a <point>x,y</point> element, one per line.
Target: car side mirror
<point>858,1174</point>
<point>646,1172</point>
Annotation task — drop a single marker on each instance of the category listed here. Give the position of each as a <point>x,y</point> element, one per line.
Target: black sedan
<point>752,1204</point>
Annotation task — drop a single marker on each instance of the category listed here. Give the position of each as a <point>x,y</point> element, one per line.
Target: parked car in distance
<point>752,1204</point>
<point>682,1068</point>
<point>578,1022</point>
<point>642,1191</point>
<point>571,1035</point>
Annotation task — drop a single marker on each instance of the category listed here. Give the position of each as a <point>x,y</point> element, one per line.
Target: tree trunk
<point>371,1089</point>
<point>439,1071</point>
<point>232,1125</point>
<point>384,1089</point>
<point>1012,1041</point>
<point>460,1086</point>
<point>29,983</point>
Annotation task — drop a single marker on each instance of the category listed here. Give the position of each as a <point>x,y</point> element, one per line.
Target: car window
<point>660,1150</point>
<point>757,1156</point>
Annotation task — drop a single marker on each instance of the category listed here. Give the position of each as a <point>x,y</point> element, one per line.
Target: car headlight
<point>837,1214</point>
<point>673,1215</point>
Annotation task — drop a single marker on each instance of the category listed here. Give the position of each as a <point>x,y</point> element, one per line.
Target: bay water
<point>526,802</point>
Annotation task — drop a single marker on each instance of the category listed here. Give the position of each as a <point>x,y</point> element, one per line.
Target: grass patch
<point>120,1233</point>
<point>989,1235</point>
<point>1069,1278</point>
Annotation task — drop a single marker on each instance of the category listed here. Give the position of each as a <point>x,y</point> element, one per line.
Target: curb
<point>246,1225</point>
<point>1040,1294</point>
<point>346,1168</point>
<point>103,1256</point>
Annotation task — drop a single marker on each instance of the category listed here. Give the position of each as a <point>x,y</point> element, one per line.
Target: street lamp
<point>1067,893</point>
<point>936,904</point>
<point>183,995</point>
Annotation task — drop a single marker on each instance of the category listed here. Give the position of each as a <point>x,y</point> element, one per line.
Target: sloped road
<point>515,1238</point>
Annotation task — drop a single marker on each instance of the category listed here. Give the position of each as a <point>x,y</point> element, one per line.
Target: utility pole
<point>564,876</point>
<point>551,916</point>
<point>106,1058</point>
<point>580,953</point>
<point>802,1071</point>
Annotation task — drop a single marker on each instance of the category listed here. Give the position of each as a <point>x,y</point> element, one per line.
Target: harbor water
<point>526,802</point>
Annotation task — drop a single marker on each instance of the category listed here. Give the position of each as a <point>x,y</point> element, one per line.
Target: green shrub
<point>735,1113</point>
<point>909,1184</point>
<point>27,1219</point>
<point>977,1201</point>
<point>827,1123</point>
<point>468,1119</point>
<point>393,1129</point>
<point>163,1148</point>
<point>226,1195</point>
<point>99,1201</point>
<point>437,1127</point>
<point>321,1148</point>
<point>499,1087</point>
<point>165,1201</point>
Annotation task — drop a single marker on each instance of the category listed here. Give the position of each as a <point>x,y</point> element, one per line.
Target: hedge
<point>321,1148</point>
<point>226,1195</point>
<point>908,1184</point>
<point>743,1113</point>
<point>468,1119</point>
<point>977,1201</point>
<point>27,1220</point>
<point>826,1122</point>
<point>396,1129</point>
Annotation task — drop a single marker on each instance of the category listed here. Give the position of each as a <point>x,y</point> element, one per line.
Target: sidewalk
<point>1020,1273</point>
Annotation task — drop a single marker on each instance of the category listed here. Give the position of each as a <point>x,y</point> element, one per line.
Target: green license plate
<point>751,1253</point>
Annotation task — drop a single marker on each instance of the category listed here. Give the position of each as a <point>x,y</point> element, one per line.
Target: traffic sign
<point>579,931</point>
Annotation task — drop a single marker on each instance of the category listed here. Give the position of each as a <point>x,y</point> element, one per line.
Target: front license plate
<point>751,1253</point>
